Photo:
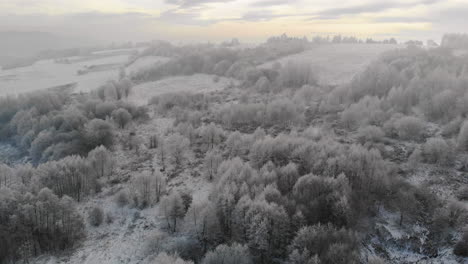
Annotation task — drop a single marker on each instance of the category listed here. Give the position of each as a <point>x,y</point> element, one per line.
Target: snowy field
<point>197,83</point>
<point>44,74</point>
<point>145,63</point>
<point>336,64</point>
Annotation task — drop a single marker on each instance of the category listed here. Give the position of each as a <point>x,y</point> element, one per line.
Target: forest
<point>296,171</point>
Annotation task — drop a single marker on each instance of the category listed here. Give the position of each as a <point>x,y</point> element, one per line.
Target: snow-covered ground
<point>121,241</point>
<point>124,240</point>
<point>197,83</point>
<point>49,73</point>
<point>336,64</point>
<point>145,63</point>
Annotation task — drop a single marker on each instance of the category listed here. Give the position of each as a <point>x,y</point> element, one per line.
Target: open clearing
<point>145,63</point>
<point>337,63</point>
<point>197,83</point>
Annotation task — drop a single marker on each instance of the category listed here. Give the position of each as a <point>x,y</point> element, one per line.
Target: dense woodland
<point>300,171</point>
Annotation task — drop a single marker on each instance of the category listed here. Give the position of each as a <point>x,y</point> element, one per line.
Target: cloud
<point>259,16</point>
<point>401,19</point>
<point>269,3</point>
<point>181,17</point>
<point>192,3</point>
<point>371,8</point>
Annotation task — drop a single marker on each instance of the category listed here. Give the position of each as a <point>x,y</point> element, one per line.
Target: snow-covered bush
<point>410,128</point>
<point>121,117</point>
<point>461,248</point>
<point>121,198</point>
<point>437,150</point>
<point>96,216</point>
<point>463,137</point>
<point>462,194</point>
<point>370,134</point>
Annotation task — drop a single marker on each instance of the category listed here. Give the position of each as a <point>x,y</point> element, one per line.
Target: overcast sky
<point>252,20</point>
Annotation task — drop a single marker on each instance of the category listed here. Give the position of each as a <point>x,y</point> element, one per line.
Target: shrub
<point>366,111</point>
<point>296,75</point>
<point>461,248</point>
<point>121,117</point>
<point>370,134</point>
<point>437,150</point>
<point>452,128</point>
<point>463,137</point>
<point>122,198</point>
<point>410,128</point>
<point>96,216</point>
<point>156,243</point>
<point>462,194</point>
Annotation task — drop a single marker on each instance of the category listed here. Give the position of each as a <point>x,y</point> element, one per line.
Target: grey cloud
<point>402,20</point>
<point>458,14</point>
<point>370,8</point>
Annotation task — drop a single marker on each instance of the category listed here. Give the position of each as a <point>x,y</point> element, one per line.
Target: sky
<point>248,20</point>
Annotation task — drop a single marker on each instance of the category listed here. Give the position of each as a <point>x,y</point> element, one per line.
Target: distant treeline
<point>457,41</point>
<point>350,39</point>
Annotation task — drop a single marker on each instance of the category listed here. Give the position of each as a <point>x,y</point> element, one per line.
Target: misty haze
<point>233,132</point>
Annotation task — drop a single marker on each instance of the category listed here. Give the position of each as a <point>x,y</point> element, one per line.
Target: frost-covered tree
<point>147,188</point>
<point>211,135</point>
<point>237,144</point>
<point>69,176</point>
<point>164,258</point>
<point>186,129</point>
<point>177,149</point>
<point>202,223</point>
<point>330,244</point>
<point>287,178</point>
<point>283,112</point>
<point>6,176</point>
<point>99,132</point>
<point>37,223</point>
<point>303,257</point>
<point>121,117</point>
<point>173,209</point>
<point>370,134</point>
<point>211,163</point>
<point>323,199</point>
<point>463,137</point>
<point>233,254</point>
<point>101,162</point>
